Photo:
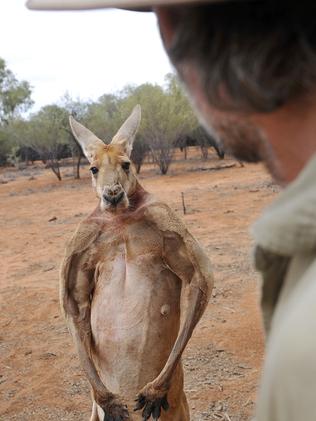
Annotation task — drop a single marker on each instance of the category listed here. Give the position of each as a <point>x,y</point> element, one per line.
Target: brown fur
<point>134,283</point>
<point>114,153</point>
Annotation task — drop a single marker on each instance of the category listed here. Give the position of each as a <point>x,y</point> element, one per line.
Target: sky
<point>86,53</point>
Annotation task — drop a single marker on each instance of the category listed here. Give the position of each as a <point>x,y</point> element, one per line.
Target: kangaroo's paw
<point>151,406</point>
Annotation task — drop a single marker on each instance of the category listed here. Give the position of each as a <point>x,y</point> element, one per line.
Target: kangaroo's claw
<point>151,407</point>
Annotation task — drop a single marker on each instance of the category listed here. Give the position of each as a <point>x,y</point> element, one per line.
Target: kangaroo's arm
<point>76,287</point>
<point>184,256</point>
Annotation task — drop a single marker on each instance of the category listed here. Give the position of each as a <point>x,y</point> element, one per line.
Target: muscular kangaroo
<point>134,284</point>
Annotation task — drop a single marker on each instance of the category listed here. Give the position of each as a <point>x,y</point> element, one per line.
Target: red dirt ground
<point>40,377</point>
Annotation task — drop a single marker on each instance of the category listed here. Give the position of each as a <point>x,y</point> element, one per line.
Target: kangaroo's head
<point>113,177</point>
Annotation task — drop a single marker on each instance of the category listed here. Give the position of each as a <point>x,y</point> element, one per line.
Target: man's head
<point>240,59</point>
<point>252,56</point>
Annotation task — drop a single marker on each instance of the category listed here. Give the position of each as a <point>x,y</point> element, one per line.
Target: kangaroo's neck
<point>138,196</point>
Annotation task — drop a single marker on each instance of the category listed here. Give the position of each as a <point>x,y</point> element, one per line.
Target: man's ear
<point>126,134</point>
<point>88,141</point>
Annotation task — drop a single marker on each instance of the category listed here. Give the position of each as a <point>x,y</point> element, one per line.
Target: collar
<point>288,226</point>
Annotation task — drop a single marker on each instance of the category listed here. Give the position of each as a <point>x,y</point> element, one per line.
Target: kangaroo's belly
<point>135,316</point>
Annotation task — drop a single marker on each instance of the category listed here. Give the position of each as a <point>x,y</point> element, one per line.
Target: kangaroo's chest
<point>130,269</point>
<point>131,277</point>
<point>136,244</point>
<point>136,297</point>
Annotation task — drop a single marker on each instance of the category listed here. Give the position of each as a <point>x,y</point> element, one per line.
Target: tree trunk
<point>26,157</point>
<point>56,169</point>
<point>204,152</point>
<point>77,172</point>
<point>163,167</point>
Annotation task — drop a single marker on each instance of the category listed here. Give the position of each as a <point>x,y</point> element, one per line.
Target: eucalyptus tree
<point>78,109</point>
<point>15,98</point>
<point>46,135</point>
<point>15,95</point>
<point>166,115</point>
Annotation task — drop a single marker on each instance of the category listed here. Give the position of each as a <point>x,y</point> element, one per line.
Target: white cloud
<point>85,53</point>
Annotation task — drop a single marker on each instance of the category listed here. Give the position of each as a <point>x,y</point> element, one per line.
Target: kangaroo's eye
<point>126,165</point>
<point>94,170</point>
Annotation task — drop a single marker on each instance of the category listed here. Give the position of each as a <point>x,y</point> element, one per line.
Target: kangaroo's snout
<point>113,194</point>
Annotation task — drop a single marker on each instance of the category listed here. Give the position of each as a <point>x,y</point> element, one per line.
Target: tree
<point>139,151</point>
<point>166,115</point>
<point>78,109</point>
<point>183,142</point>
<point>204,140</point>
<point>45,133</point>
<point>5,146</point>
<point>15,133</point>
<point>167,122</point>
<point>153,128</point>
<point>103,116</point>
<point>26,154</point>
<point>15,96</point>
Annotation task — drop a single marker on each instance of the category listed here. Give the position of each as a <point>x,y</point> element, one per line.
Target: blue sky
<point>86,53</point>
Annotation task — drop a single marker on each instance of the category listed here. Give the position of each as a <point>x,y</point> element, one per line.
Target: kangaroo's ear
<point>126,134</point>
<point>88,141</point>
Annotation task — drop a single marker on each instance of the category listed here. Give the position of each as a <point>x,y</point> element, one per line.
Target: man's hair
<point>260,54</point>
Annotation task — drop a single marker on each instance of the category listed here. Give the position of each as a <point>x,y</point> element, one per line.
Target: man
<point>250,70</point>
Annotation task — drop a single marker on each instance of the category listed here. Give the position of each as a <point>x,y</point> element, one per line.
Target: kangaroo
<point>134,284</point>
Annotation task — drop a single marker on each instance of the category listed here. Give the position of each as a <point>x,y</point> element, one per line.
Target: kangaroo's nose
<point>113,194</point>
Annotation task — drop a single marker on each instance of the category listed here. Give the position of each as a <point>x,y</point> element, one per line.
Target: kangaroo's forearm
<point>75,300</point>
<point>81,333</point>
<point>195,306</point>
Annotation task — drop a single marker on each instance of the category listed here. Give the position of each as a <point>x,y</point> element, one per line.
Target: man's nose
<point>113,194</point>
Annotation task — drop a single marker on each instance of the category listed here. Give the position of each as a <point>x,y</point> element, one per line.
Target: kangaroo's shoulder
<point>85,234</point>
<point>164,218</point>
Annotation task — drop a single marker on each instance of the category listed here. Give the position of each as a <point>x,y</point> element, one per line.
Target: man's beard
<point>245,142</point>
<point>240,139</point>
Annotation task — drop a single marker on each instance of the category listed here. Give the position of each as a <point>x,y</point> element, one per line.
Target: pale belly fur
<point>135,317</point>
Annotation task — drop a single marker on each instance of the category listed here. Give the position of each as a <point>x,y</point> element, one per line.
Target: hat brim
<point>140,5</point>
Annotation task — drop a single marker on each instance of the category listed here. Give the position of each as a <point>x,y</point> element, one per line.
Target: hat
<point>100,4</point>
